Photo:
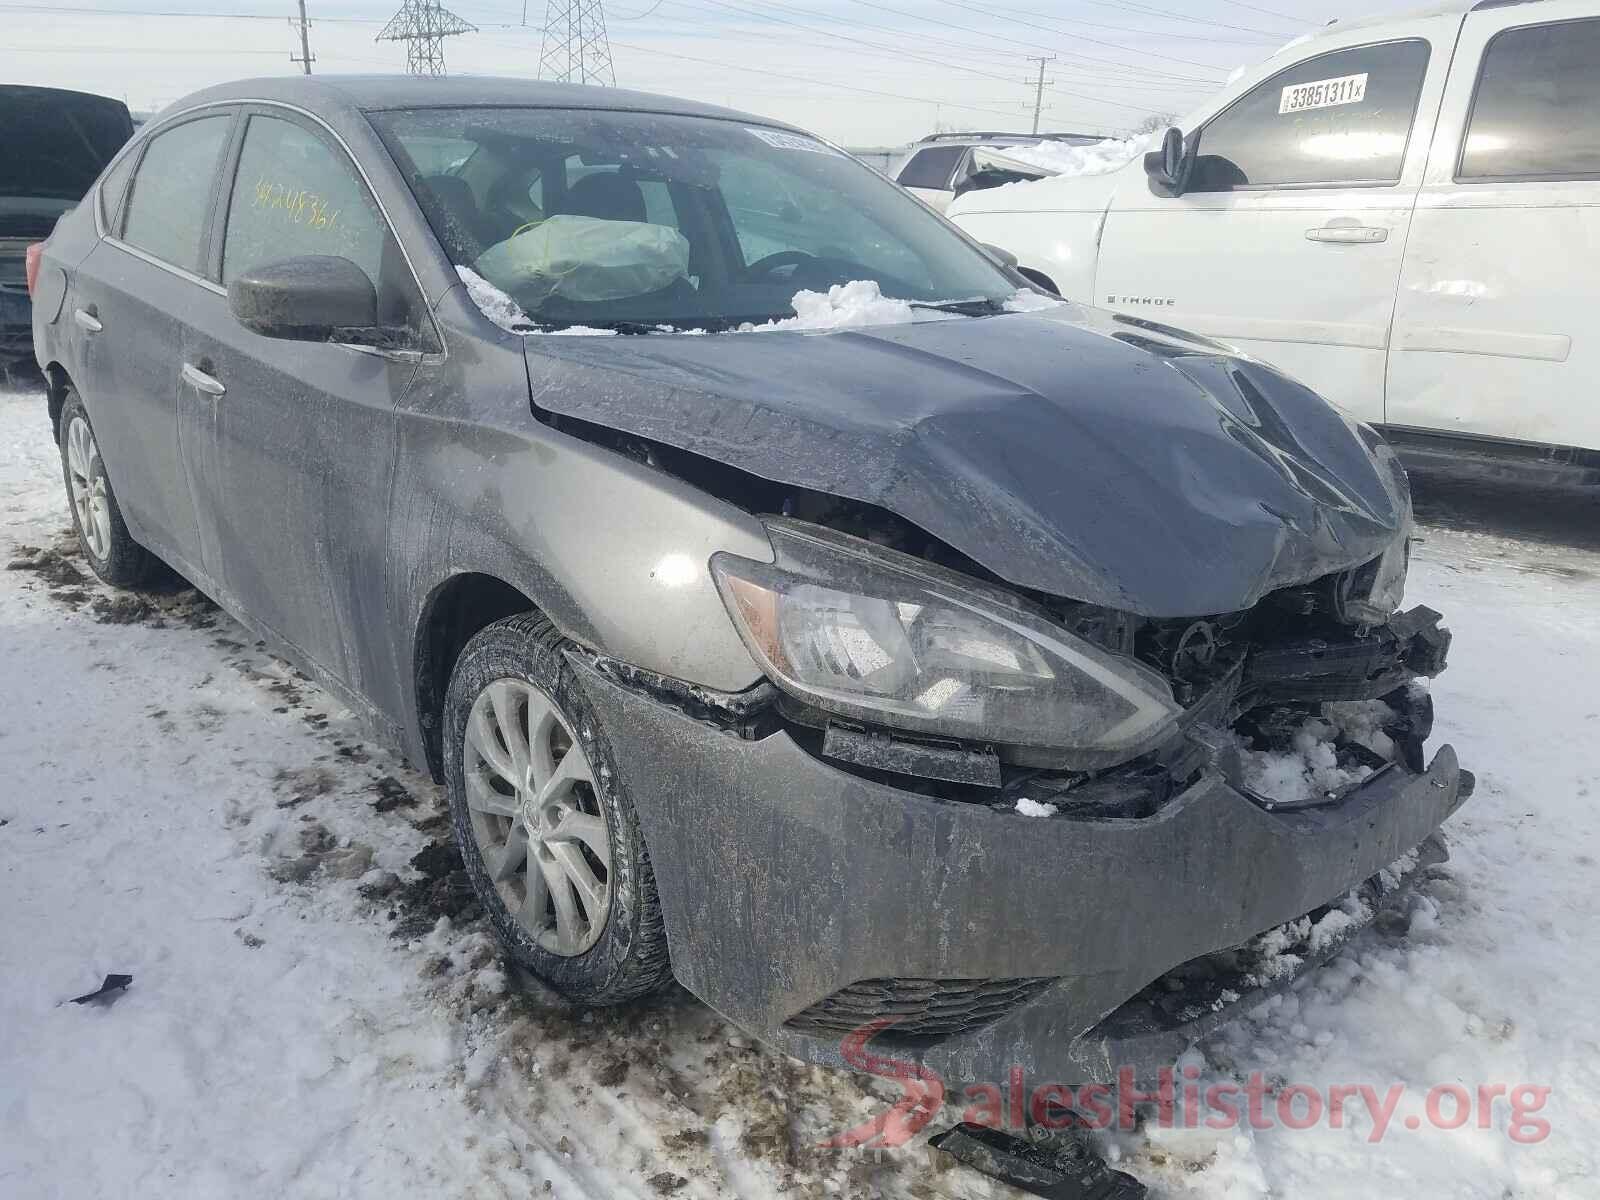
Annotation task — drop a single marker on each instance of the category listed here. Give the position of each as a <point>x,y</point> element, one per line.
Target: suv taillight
<point>35,255</point>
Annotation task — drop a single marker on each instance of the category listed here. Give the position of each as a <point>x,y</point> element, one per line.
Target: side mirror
<point>1168,167</point>
<point>1002,256</point>
<point>314,298</point>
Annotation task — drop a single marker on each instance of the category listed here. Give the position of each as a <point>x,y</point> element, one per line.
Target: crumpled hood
<point>1071,451</point>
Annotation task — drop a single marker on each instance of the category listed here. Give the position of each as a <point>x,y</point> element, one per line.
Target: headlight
<point>1370,594</point>
<point>857,630</point>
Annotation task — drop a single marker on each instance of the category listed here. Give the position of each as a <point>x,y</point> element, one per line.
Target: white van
<point>1405,214</point>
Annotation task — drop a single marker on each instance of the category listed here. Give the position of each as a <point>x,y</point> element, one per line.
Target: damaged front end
<point>1073,694</point>
<point>899,667</point>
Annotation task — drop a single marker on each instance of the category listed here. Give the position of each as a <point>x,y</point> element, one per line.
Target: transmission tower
<point>422,25</point>
<point>575,48</point>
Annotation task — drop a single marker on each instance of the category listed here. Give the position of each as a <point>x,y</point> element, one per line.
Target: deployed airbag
<point>586,259</point>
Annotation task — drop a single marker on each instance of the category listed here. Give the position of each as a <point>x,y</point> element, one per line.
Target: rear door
<point>127,305</point>
<point>1496,329</point>
<point>1287,242</point>
<point>292,446</point>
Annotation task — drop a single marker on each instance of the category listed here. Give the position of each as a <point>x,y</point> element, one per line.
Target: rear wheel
<point>546,829</point>
<point>103,536</point>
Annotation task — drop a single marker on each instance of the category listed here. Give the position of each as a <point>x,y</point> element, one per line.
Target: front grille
<point>920,1008</point>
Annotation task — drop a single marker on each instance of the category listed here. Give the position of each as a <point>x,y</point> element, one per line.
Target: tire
<point>103,536</point>
<point>514,667</point>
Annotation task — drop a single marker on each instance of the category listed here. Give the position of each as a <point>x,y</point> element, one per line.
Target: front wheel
<point>103,536</point>
<point>548,833</point>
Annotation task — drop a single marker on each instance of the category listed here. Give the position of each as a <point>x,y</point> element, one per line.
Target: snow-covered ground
<point>312,1015</point>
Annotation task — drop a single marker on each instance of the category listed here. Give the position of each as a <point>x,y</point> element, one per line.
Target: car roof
<point>1443,8</point>
<point>370,93</point>
<point>28,89</point>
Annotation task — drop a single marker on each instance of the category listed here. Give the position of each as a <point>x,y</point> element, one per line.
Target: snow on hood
<point>1079,453</point>
<point>850,305</point>
<point>1082,175</point>
<point>1061,159</point>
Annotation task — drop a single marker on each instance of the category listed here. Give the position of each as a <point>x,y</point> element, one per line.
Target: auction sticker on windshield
<point>790,141</point>
<point>1324,93</point>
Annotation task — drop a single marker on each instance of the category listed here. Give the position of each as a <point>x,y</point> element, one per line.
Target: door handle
<point>1360,235</point>
<point>201,382</point>
<point>87,320</point>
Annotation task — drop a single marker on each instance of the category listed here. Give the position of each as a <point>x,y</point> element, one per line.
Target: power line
<point>989,12</point>
<point>1151,10</point>
<point>1271,12</point>
<point>1034,45</point>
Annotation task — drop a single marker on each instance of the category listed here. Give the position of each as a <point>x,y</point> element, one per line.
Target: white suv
<point>1405,214</point>
<point>943,166</point>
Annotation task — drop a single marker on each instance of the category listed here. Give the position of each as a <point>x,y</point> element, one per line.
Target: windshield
<point>56,143</point>
<point>596,218</point>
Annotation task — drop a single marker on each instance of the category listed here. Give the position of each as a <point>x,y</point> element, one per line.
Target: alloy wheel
<point>537,824</point>
<point>89,500</point>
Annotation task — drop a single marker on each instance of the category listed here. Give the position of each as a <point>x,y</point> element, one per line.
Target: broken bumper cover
<point>800,898</point>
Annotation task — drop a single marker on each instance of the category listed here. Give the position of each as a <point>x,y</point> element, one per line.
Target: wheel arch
<point>57,384</point>
<point>453,613</point>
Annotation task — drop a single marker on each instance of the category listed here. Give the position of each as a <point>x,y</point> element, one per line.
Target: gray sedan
<point>792,599</point>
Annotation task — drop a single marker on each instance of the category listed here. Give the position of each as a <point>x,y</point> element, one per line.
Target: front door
<point>1496,331</point>
<point>1287,240</point>
<point>293,450</point>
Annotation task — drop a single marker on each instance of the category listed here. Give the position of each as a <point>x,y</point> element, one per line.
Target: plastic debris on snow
<point>1035,808</point>
<point>508,314</point>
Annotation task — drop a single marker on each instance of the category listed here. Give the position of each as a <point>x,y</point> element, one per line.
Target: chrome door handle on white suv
<point>1349,234</point>
<point>86,320</point>
<point>201,382</point>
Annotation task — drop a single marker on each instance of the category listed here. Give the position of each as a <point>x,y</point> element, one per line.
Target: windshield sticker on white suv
<point>1324,93</point>
<point>790,141</point>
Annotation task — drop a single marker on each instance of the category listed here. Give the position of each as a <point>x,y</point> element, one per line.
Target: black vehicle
<point>53,146</point>
<point>745,650</point>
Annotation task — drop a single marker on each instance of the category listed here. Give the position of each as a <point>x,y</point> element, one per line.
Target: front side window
<point>171,197</point>
<point>931,168</point>
<point>646,218</point>
<point>1337,119</point>
<point>1536,114</point>
<point>296,195</point>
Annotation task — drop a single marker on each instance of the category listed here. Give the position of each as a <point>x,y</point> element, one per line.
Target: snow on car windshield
<point>633,220</point>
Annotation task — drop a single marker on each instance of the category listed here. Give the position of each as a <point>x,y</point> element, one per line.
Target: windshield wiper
<point>978,306</point>
<point>624,327</point>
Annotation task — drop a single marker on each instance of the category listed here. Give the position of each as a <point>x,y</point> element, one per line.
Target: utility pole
<point>305,59</point>
<point>1039,85</point>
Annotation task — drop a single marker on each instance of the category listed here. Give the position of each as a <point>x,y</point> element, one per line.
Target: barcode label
<point>1324,93</point>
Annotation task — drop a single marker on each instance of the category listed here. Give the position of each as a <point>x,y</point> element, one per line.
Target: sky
<point>862,72</point>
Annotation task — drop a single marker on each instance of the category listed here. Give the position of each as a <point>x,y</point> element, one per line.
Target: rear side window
<point>931,168</point>
<point>171,196</point>
<point>114,189</point>
<point>296,195</point>
<point>1337,119</point>
<point>1536,114</point>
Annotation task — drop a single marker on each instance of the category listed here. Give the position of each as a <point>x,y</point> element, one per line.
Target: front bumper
<point>788,884</point>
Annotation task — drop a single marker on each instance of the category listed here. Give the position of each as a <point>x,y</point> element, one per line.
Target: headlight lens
<point>1370,594</point>
<point>864,632</point>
